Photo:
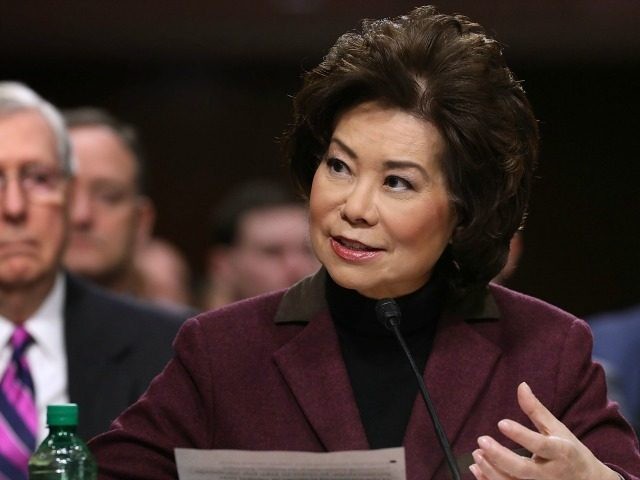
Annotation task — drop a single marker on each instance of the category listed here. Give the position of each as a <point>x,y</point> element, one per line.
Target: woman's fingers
<point>557,453</point>
<point>477,473</point>
<point>541,417</point>
<point>542,446</point>
<point>497,461</point>
<point>483,469</point>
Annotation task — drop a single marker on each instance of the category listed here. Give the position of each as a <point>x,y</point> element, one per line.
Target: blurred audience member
<point>165,274</point>
<point>61,339</point>
<point>616,343</point>
<point>110,215</point>
<point>259,242</point>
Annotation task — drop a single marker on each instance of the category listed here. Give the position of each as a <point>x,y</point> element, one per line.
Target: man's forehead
<point>26,137</point>
<point>30,116</point>
<point>287,223</point>
<point>102,154</point>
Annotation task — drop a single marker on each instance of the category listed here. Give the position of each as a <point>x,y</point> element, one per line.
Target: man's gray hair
<point>15,96</point>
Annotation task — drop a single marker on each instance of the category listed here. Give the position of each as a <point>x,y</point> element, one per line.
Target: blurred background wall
<point>208,84</point>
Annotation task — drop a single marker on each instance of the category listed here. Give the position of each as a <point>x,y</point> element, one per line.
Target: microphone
<point>389,315</point>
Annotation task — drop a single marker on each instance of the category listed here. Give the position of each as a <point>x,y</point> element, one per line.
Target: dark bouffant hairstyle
<point>446,70</point>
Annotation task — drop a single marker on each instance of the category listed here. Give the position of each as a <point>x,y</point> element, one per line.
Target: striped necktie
<point>18,414</point>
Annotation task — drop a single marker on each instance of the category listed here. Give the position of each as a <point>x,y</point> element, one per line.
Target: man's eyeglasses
<point>38,182</point>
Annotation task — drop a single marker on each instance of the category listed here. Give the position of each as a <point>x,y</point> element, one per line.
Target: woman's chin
<point>376,290</point>
<point>354,282</point>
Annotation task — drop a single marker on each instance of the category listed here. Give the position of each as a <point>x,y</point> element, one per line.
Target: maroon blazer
<point>267,374</point>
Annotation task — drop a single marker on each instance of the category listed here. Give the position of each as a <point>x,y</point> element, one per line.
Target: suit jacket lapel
<point>79,335</point>
<point>460,364</point>
<point>312,366</point>
<point>91,349</point>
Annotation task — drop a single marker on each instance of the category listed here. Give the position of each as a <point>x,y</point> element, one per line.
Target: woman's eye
<point>337,166</point>
<point>397,183</point>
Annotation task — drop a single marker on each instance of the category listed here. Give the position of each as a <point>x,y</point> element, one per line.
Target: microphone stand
<point>389,315</point>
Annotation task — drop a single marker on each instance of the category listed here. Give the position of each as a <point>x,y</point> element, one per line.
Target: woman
<point>417,148</point>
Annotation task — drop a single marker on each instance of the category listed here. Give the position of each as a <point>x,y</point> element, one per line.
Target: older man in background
<point>61,339</point>
<point>111,217</point>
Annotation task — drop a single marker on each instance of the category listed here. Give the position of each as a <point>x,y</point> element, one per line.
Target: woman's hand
<point>557,453</point>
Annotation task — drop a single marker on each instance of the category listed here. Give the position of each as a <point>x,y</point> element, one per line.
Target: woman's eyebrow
<point>400,164</point>
<point>344,146</point>
<point>388,164</point>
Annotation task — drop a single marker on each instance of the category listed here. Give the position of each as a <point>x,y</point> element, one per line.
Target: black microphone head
<point>388,312</point>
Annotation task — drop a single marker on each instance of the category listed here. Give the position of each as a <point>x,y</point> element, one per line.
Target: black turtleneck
<point>382,381</point>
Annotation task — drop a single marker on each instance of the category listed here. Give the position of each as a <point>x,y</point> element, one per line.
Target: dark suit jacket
<point>616,338</point>
<point>115,346</point>
<point>267,374</point>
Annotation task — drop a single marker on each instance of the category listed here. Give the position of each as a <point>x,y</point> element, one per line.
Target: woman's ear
<point>456,231</point>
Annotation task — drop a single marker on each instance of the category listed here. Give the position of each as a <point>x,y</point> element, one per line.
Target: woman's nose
<point>359,205</point>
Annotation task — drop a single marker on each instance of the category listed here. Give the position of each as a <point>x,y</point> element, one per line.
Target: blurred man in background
<point>259,242</point>
<point>616,344</point>
<point>110,216</point>
<point>61,339</point>
<point>165,274</point>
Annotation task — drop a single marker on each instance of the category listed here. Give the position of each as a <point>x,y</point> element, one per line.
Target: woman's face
<point>380,211</point>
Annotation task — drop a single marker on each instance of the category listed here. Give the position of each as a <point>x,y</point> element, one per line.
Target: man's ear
<point>69,191</point>
<point>145,221</point>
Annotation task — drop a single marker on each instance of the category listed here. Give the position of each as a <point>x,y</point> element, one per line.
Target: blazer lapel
<point>460,364</point>
<point>312,365</point>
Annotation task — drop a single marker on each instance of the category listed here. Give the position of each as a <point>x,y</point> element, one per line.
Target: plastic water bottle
<point>62,455</point>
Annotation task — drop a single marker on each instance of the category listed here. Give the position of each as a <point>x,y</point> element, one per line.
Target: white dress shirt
<point>47,356</point>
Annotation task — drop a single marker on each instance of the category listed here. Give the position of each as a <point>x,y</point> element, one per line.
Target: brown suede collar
<point>306,298</point>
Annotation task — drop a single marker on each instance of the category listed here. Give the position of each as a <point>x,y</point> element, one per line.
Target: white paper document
<point>383,464</point>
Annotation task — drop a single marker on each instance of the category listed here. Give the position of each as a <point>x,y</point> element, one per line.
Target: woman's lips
<point>353,251</point>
